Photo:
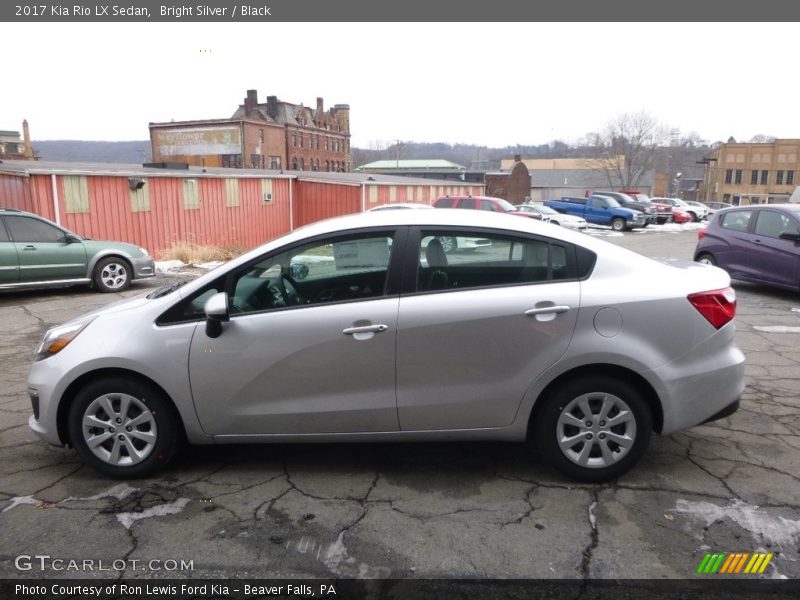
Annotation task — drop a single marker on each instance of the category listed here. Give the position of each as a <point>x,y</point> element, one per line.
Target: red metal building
<point>156,208</point>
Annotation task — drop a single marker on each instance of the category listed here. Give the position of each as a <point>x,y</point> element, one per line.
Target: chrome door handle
<point>365,329</point>
<point>558,309</point>
<point>29,247</point>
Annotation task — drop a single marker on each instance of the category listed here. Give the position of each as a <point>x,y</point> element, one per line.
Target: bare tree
<point>626,150</point>
<point>762,139</point>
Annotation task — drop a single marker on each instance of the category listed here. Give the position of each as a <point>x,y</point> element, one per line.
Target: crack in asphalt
<point>586,555</point>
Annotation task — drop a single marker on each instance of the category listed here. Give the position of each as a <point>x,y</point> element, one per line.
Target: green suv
<point>35,252</point>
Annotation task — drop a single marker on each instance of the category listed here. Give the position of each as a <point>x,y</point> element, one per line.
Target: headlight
<point>57,338</point>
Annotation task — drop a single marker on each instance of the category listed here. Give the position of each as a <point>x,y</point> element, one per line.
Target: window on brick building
<point>789,177</point>
<point>302,164</point>
<point>764,177</point>
<point>274,162</point>
<point>326,143</point>
<point>779,178</point>
<point>294,164</point>
<point>231,161</point>
<point>261,135</point>
<point>728,175</point>
<point>738,177</point>
<point>294,140</point>
<point>753,177</point>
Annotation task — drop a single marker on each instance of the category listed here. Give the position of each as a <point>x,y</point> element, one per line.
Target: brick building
<point>752,173</point>
<point>14,147</point>
<point>272,135</point>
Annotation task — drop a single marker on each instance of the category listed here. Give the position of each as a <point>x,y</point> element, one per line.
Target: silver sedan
<point>363,328</point>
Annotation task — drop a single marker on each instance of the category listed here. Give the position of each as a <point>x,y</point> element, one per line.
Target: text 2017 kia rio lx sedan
<point>362,328</point>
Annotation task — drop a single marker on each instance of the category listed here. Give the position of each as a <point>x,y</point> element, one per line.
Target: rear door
<point>734,242</point>
<point>479,327</point>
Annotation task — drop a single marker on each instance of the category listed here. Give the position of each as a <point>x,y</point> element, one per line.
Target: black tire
<point>707,259</point>
<point>694,216</point>
<point>622,401</point>
<point>618,224</point>
<point>449,244</point>
<point>112,274</point>
<point>151,415</point>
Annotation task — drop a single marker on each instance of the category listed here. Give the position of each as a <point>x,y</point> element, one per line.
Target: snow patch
<point>129,518</point>
<point>776,329</point>
<point>771,529</point>
<point>167,267</point>
<point>19,500</point>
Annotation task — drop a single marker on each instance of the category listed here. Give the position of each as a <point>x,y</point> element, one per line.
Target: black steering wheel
<point>287,290</point>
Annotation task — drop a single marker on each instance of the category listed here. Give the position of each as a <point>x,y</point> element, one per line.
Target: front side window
<point>334,270</point>
<point>466,259</point>
<point>737,220</point>
<point>28,229</point>
<point>773,224</point>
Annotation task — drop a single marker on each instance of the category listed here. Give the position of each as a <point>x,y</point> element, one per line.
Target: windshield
<point>546,210</point>
<point>505,205</point>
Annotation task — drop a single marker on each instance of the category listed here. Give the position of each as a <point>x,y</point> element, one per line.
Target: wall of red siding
<point>314,201</point>
<point>253,222</point>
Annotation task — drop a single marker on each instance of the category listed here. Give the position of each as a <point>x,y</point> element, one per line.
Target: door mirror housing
<point>71,239</point>
<point>217,313</point>
<point>789,235</point>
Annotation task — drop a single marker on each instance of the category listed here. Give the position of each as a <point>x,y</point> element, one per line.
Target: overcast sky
<point>473,83</point>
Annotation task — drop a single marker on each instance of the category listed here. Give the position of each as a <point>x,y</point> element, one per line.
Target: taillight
<point>701,233</point>
<point>718,306</point>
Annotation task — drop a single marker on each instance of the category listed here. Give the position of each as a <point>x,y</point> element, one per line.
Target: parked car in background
<point>718,205</point>
<point>548,336</point>
<point>399,205</point>
<point>663,211</point>
<point>641,204</point>
<point>485,203</point>
<point>701,211</point>
<point>759,243</point>
<point>35,252</point>
<point>601,210</point>
<point>680,216</point>
<point>547,214</point>
<point>697,212</point>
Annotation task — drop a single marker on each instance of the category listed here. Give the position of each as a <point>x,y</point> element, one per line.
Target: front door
<point>9,265</point>
<point>310,345</point>
<point>771,259</point>
<point>43,250</point>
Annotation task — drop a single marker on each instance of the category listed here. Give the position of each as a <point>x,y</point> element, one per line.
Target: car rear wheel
<point>112,274</point>
<point>123,427</point>
<point>593,429</point>
<point>707,259</point>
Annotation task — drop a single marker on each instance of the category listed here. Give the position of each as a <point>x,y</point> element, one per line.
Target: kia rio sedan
<point>362,328</point>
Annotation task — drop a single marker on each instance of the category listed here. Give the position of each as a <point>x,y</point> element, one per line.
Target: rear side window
<point>467,203</point>
<point>444,203</point>
<point>454,260</point>
<point>737,220</point>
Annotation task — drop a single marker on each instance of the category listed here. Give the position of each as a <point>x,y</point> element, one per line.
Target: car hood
<point>93,246</point>
<point>116,307</point>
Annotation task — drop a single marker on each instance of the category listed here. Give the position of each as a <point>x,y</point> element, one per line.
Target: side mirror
<point>71,239</point>
<point>299,271</point>
<point>788,235</point>
<point>217,313</point>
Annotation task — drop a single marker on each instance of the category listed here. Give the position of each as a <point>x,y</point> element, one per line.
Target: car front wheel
<point>593,429</point>
<point>618,224</point>
<point>123,427</point>
<point>112,274</point>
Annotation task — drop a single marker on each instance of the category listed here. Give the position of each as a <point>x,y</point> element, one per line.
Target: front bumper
<point>143,267</point>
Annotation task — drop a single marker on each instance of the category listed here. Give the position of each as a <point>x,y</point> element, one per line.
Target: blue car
<point>759,243</point>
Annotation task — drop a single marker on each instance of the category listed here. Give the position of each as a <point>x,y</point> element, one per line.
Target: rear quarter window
<point>737,220</point>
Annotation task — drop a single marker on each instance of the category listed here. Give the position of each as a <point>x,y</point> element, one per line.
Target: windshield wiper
<point>167,289</point>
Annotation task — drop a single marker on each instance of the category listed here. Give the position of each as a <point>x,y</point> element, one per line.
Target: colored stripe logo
<point>734,563</point>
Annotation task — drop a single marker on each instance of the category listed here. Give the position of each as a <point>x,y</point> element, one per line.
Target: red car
<point>487,203</point>
<point>679,216</point>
